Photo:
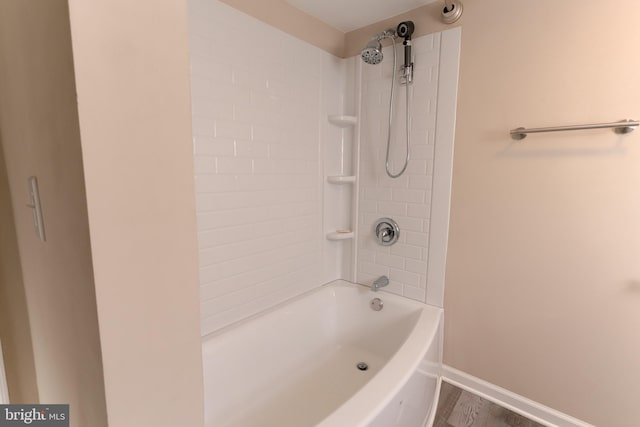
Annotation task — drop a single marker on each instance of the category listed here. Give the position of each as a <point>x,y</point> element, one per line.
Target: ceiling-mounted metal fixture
<point>452,11</point>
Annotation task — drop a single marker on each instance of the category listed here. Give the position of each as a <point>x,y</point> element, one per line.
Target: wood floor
<point>459,408</point>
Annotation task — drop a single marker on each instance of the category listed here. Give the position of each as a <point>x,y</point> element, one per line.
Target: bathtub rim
<point>277,306</point>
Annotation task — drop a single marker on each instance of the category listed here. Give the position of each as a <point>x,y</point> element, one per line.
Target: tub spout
<point>380,282</point>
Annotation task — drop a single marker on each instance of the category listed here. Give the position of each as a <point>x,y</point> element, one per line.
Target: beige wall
<point>132,74</point>
<point>543,278</point>
<point>282,15</point>
<point>39,132</point>
<point>15,333</point>
<point>427,20</point>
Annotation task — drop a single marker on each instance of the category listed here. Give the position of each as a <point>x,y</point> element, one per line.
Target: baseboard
<point>4,391</point>
<point>514,402</point>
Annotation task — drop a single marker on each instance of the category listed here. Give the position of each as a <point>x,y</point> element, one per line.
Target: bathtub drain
<point>362,366</point>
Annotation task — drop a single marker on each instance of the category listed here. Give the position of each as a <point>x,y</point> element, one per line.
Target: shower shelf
<point>343,121</point>
<point>341,179</point>
<point>335,235</point>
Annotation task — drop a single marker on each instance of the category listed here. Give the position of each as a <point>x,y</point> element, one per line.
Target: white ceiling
<point>349,15</point>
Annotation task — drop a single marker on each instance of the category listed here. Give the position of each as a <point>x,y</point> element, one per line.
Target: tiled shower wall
<point>406,199</point>
<point>257,103</point>
<point>263,148</point>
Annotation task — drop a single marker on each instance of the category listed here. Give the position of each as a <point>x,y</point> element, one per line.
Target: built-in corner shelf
<point>341,179</point>
<point>340,235</point>
<point>343,121</point>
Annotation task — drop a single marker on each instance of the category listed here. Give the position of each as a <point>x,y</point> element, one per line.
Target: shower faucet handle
<point>387,231</point>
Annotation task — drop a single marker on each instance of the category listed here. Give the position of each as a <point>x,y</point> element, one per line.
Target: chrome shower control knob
<point>387,231</point>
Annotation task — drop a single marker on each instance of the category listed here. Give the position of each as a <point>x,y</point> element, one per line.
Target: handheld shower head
<point>372,54</point>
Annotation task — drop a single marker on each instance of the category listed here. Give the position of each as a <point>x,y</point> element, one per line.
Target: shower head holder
<point>405,30</point>
<point>389,33</point>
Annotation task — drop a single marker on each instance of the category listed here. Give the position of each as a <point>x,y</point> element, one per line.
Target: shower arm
<point>386,34</point>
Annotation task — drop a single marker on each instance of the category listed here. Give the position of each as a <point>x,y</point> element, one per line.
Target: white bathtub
<point>295,365</point>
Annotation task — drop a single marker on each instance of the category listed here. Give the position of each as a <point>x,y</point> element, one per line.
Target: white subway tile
<point>409,224</point>
<point>242,249</point>
<point>201,86</point>
<point>208,239</point>
<point>370,206</point>
<point>249,79</point>
<point>265,101</point>
<point>282,88</point>
<point>263,166</point>
<point>420,181</point>
<point>373,269</point>
<point>368,256</point>
<point>234,165</point>
<point>229,218</point>
<point>230,129</point>
<point>254,277</point>
<point>251,149</point>
<point>390,260</point>
<point>208,183</point>
<point>200,45</point>
<point>393,288</point>
<point>418,294</point>
<point>400,182</point>
<point>416,266</point>
<point>209,68</point>
<point>422,151</point>
<point>417,239</point>
<point>240,265</point>
<point>210,146</point>
<point>404,277</point>
<point>204,165</point>
<point>408,195</point>
<point>391,208</point>
<point>421,210</point>
<point>266,134</point>
<point>203,126</point>
<point>243,199</point>
<point>425,254</point>
<point>378,194</point>
<point>231,95</point>
<point>408,251</point>
<point>423,44</point>
<point>367,220</point>
<point>207,107</point>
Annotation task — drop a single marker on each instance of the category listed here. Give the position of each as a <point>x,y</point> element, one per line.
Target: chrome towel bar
<point>623,126</point>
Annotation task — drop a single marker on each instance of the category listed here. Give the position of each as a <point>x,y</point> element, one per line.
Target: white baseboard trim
<point>4,391</point>
<point>514,402</point>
